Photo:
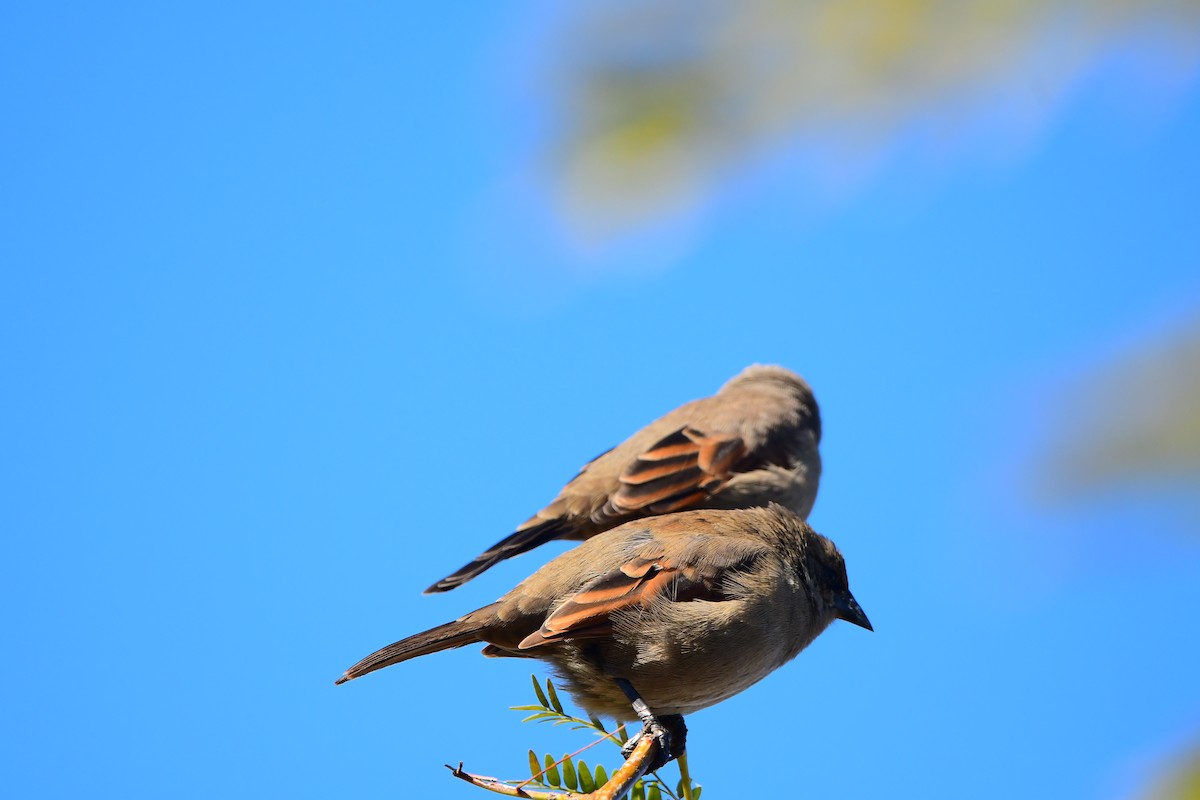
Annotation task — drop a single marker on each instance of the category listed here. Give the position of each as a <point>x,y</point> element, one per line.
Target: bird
<point>753,442</point>
<point>662,616</point>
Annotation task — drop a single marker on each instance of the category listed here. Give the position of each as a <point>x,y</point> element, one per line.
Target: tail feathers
<point>519,542</point>
<point>443,637</point>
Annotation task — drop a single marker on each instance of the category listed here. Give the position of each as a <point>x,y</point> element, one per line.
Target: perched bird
<point>662,616</point>
<point>752,443</point>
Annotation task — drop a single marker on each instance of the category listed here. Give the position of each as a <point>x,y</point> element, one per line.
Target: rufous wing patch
<point>637,584</point>
<point>678,472</point>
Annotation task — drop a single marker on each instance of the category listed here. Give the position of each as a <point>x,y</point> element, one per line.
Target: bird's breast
<point>680,661</point>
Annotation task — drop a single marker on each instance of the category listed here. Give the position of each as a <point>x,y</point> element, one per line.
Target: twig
<point>500,787</point>
<point>685,776</point>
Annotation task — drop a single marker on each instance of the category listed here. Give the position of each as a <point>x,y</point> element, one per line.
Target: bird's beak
<point>849,610</point>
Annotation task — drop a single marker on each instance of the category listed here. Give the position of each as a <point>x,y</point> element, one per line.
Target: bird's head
<point>827,576</point>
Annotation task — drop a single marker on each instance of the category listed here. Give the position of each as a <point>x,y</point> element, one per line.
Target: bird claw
<point>669,734</point>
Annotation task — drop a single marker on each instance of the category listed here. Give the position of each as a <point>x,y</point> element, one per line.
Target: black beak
<point>849,610</point>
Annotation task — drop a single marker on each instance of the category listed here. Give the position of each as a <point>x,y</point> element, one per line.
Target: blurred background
<point>301,307</point>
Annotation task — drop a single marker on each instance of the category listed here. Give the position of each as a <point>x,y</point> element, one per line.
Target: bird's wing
<point>677,472</point>
<point>685,569</point>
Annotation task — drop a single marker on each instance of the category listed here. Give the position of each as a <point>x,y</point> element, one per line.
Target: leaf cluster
<point>573,774</point>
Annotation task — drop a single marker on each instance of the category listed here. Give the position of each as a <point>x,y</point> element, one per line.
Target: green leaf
<point>541,715</point>
<point>639,791</point>
<point>555,703</point>
<point>696,792</point>
<point>535,767</point>
<point>585,778</point>
<point>537,689</point>
<point>527,708</point>
<point>601,775</point>
<point>569,777</point>
<point>597,724</point>
<point>679,788</point>
<point>552,776</point>
<point>653,792</point>
<point>622,735</point>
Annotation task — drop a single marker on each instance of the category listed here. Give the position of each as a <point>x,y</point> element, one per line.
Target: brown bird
<point>662,616</point>
<point>752,443</point>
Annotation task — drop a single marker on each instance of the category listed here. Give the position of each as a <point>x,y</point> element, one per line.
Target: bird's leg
<point>668,731</point>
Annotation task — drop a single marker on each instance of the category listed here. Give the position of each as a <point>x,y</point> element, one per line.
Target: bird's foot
<point>668,732</point>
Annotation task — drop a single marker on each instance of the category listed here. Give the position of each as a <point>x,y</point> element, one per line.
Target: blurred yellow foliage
<point>659,99</point>
<point>1182,782</point>
<point>1135,423</point>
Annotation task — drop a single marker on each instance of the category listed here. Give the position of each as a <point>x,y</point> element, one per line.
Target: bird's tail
<point>443,637</point>
<point>514,544</point>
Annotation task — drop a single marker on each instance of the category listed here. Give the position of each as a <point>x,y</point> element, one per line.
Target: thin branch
<point>685,776</point>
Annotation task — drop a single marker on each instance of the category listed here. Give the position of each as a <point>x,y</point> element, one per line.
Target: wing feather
<point>678,472</point>
<point>644,580</point>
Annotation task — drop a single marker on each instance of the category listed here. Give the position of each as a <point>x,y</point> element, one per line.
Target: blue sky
<point>283,346</point>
